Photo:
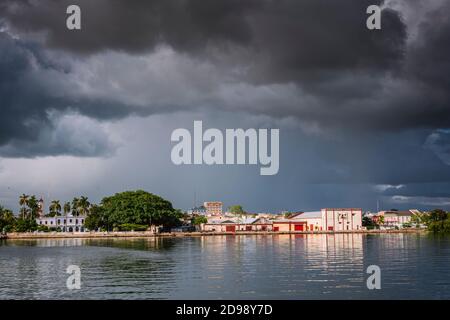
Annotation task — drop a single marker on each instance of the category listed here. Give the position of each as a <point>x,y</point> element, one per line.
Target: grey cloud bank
<point>358,106</point>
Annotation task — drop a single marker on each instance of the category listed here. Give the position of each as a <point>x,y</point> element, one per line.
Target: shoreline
<point>146,234</point>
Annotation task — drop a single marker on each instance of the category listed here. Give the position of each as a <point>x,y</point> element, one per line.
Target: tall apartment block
<point>213,208</point>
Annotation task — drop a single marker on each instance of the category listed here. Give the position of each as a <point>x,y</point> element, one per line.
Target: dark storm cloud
<point>353,79</point>
<point>31,111</point>
<point>429,56</point>
<point>313,40</point>
<point>359,79</point>
<point>295,38</point>
<point>134,26</point>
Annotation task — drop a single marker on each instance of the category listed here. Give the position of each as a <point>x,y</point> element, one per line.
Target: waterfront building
<point>342,219</point>
<point>213,208</point>
<point>300,221</point>
<point>327,219</point>
<point>395,218</point>
<point>67,223</point>
<point>238,224</point>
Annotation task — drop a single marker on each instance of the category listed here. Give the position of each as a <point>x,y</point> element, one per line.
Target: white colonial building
<point>67,223</point>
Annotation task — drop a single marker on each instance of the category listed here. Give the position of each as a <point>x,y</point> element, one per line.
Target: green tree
<point>55,208</point>
<point>7,220</point>
<point>96,219</point>
<point>236,209</point>
<point>442,226</point>
<point>368,223</point>
<point>33,205</point>
<point>80,206</point>
<point>439,221</point>
<point>24,212</point>
<point>75,205</point>
<point>198,220</point>
<point>23,202</point>
<point>138,207</point>
<point>67,208</point>
<point>437,215</point>
<point>25,225</point>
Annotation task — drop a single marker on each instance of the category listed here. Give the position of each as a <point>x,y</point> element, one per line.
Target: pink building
<point>328,219</point>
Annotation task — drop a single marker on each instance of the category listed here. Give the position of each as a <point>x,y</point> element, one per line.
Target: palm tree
<point>23,202</point>
<point>83,206</point>
<point>66,208</point>
<point>55,208</point>
<point>24,211</point>
<point>23,199</point>
<point>33,206</point>
<point>75,204</point>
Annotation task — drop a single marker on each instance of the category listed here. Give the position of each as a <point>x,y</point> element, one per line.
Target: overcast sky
<point>364,116</point>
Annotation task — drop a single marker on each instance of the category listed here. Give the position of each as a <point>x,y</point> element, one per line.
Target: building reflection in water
<point>318,266</point>
<point>284,263</point>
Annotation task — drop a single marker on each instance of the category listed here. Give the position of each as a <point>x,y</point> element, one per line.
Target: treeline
<point>130,210</point>
<point>30,209</point>
<point>25,220</point>
<point>437,221</point>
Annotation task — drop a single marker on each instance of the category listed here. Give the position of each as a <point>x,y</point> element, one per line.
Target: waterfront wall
<point>147,234</point>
